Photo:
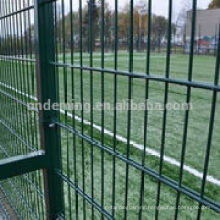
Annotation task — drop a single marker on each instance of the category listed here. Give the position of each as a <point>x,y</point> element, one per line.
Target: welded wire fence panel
<point>18,124</point>
<point>136,126</point>
<point>127,163</point>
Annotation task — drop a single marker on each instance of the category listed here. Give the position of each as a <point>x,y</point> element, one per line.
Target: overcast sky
<point>159,7</point>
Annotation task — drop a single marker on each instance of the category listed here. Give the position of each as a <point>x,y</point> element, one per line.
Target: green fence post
<point>50,133</point>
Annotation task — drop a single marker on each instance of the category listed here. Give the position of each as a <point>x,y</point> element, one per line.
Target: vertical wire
<point>68,156</point>
<point>5,53</point>
<point>65,101</point>
<point>27,90</point>
<point>16,72</point>
<point>73,111</point>
<point>13,76</point>
<point>21,79</point>
<point>16,75</point>
<point>2,52</point>
<point>115,104</point>
<point>82,104</point>
<point>102,101</point>
<point>10,73</point>
<point>91,42</point>
<point>211,128</point>
<point>24,113</point>
<point>29,48</point>
<point>11,70</point>
<point>6,66</point>
<point>30,92</point>
<point>36,131</point>
<point>129,105</point>
<point>25,73</point>
<point>163,136</point>
<point>36,117</point>
<point>146,110</point>
<point>63,21</point>
<point>28,188</point>
<point>188,99</point>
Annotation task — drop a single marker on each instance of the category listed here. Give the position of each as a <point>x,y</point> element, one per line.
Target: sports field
<point>204,70</point>
<point>87,86</point>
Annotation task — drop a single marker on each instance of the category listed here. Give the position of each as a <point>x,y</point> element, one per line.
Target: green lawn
<point>168,195</point>
<point>203,71</point>
<point>199,116</point>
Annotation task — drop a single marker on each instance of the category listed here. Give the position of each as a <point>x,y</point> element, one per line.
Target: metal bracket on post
<point>46,77</point>
<point>18,165</point>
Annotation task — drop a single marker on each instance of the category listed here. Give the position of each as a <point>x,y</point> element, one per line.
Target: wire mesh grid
<point>112,164</point>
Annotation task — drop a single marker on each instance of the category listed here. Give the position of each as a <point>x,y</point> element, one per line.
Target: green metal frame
<point>48,159</point>
<point>22,164</point>
<point>50,133</point>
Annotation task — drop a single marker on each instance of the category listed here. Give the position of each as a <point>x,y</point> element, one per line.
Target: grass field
<point>203,71</point>
<point>199,116</point>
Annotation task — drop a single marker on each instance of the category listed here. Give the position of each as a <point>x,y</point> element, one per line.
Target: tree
<point>92,16</point>
<point>214,4</point>
<point>29,38</point>
<point>108,25</point>
<point>124,23</point>
<point>159,26</point>
<point>90,11</point>
<point>140,21</point>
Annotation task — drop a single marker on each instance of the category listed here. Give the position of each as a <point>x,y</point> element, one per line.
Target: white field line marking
<point>119,58</point>
<point>148,150</point>
<point>86,58</point>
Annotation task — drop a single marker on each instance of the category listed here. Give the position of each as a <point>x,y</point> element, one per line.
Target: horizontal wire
<point>17,12</point>
<point>84,195</point>
<point>148,150</point>
<point>136,75</point>
<point>30,107</point>
<point>13,132</point>
<point>15,58</point>
<point>189,192</point>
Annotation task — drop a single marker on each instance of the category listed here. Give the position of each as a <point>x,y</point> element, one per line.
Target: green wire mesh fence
<point>19,126</point>
<point>95,160</point>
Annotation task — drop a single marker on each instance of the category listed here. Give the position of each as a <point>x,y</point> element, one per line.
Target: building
<point>207,29</point>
